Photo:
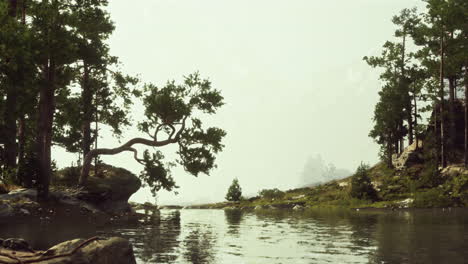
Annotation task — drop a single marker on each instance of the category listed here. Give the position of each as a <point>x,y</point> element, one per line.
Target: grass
<point>395,190</point>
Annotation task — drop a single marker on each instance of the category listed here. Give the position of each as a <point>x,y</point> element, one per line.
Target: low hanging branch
<point>128,146</point>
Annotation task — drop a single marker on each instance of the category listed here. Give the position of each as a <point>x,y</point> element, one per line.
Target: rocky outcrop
<point>96,250</point>
<point>411,155</point>
<point>109,190</point>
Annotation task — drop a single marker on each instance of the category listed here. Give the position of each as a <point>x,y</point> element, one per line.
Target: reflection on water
<point>199,246</point>
<point>278,236</point>
<point>233,219</point>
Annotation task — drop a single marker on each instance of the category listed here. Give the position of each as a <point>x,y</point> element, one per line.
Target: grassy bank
<point>415,187</point>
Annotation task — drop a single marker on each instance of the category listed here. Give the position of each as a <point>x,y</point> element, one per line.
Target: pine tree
<point>361,185</point>
<point>234,193</point>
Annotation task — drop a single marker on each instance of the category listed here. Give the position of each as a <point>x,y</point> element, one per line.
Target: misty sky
<point>291,72</point>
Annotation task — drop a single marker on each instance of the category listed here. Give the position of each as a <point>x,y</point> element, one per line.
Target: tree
<point>361,185</point>
<point>172,111</point>
<point>234,193</point>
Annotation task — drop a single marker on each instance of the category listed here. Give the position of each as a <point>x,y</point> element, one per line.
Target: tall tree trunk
<point>21,151</point>
<point>404,88</point>
<point>452,132</point>
<point>466,115</point>
<point>96,123</point>
<point>13,7</point>
<point>87,104</point>
<point>402,140</point>
<point>44,133</point>
<point>10,127</point>
<point>443,160</point>
<point>415,118</point>
<point>9,115</point>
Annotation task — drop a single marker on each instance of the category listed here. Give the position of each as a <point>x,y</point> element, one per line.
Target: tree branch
<point>128,146</point>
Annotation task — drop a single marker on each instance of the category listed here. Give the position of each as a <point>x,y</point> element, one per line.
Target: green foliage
<point>156,174</point>
<point>430,175</point>
<point>181,105</point>
<point>361,186</point>
<point>457,189</point>
<point>431,198</point>
<point>271,193</point>
<point>234,193</point>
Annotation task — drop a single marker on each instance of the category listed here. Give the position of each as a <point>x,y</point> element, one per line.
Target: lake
<point>275,236</point>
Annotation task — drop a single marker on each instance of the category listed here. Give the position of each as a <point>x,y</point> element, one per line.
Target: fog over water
<point>291,73</point>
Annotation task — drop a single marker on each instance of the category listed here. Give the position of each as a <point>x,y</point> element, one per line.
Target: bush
<point>430,176</point>
<point>271,193</point>
<point>457,189</point>
<point>234,193</point>
<point>361,186</point>
<point>431,198</point>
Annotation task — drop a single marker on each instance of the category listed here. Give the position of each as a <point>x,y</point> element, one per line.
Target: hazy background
<point>298,95</point>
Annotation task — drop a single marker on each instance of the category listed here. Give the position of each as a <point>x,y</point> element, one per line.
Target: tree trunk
<point>87,104</point>
<point>402,140</point>
<point>9,115</point>
<point>21,151</point>
<point>452,132</point>
<point>13,8</point>
<point>416,137</point>
<point>443,160</point>
<point>44,129</point>
<point>10,127</point>
<point>403,87</point>
<point>466,116</point>
<point>96,159</point>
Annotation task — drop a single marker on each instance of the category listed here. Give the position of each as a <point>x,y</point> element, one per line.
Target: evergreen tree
<point>234,193</point>
<point>361,186</point>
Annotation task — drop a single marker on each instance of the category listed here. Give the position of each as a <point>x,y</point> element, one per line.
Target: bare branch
<point>135,155</point>
<point>182,128</point>
<point>173,130</point>
<point>125,147</point>
<point>157,131</point>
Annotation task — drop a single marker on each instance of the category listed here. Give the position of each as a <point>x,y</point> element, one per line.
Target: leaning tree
<point>172,117</point>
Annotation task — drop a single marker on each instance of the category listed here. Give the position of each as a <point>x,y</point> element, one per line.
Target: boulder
<point>298,207</point>
<point>453,171</point>
<point>111,189</point>
<point>411,155</point>
<point>113,250</point>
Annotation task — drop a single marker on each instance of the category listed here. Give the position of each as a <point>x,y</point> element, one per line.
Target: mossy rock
<point>110,184</point>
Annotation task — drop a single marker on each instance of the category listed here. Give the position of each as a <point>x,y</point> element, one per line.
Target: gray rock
<point>6,210</point>
<point>113,250</point>
<point>16,244</point>
<point>411,155</point>
<point>24,211</point>
<point>298,207</point>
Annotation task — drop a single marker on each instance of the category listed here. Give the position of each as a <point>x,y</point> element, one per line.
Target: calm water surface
<point>277,236</point>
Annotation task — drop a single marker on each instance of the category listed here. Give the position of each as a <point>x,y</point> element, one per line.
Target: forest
<point>60,84</point>
<point>424,76</point>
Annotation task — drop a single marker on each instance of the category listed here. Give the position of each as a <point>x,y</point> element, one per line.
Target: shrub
<point>431,198</point>
<point>430,175</point>
<point>457,188</point>
<point>271,193</point>
<point>234,193</point>
<point>361,186</point>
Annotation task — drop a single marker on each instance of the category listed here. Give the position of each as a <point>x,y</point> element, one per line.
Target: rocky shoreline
<point>103,201</point>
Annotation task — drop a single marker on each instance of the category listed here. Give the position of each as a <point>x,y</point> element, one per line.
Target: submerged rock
<point>6,210</point>
<point>113,250</point>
